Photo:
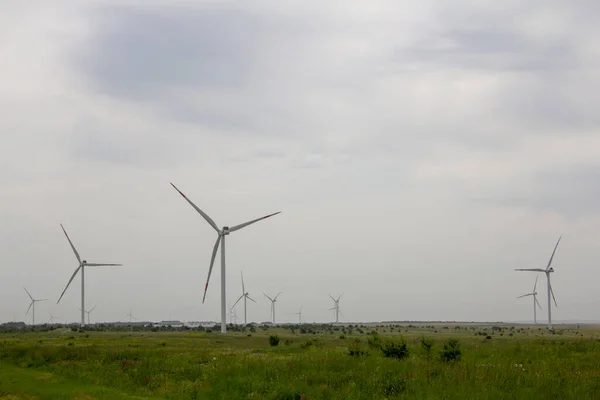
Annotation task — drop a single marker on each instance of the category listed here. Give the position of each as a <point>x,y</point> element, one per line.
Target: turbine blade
<point>268,297</point>
<point>530,269</point>
<point>212,262</point>
<point>525,295</point>
<point>551,257</point>
<point>41,300</point>
<point>534,286</point>
<point>102,265</point>
<point>30,304</point>
<point>250,298</point>
<point>537,302</point>
<point>275,299</point>
<point>243,288</point>
<point>339,297</point>
<point>28,294</point>
<point>206,217</point>
<point>240,226</point>
<point>68,283</point>
<point>237,301</point>
<point>71,243</point>
<point>93,308</point>
<point>332,297</point>
<point>552,292</point>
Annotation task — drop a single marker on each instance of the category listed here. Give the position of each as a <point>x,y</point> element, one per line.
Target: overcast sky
<point>419,151</point>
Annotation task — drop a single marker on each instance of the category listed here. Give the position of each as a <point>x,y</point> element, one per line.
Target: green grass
<point>530,364</point>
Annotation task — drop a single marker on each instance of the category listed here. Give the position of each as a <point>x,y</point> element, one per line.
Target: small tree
<point>273,340</point>
<point>426,345</point>
<point>395,349</point>
<point>451,351</point>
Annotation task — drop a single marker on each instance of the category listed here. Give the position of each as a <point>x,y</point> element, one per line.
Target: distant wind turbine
<point>246,296</point>
<point>221,233</point>
<point>299,314</point>
<point>336,307</point>
<point>535,301</point>
<point>272,300</point>
<point>130,315</point>
<point>89,312</point>
<point>232,316</point>
<point>82,264</point>
<point>547,271</point>
<point>52,318</point>
<point>32,305</point>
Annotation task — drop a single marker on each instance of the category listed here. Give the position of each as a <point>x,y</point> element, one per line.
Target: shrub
<point>451,351</point>
<point>356,350</point>
<point>375,341</point>
<point>307,344</point>
<point>426,345</point>
<point>395,349</point>
<point>273,340</point>
<point>342,337</point>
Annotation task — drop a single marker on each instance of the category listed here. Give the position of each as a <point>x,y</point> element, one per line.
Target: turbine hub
<point>225,230</point>
<point>84,262</point>
<point>551,269</point>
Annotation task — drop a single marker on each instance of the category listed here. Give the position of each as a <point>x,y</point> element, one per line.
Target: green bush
<point>395,349</point>
<point>375,341</point>
<point>426,345</point>
<point>273,340</point>
<point>356,349</point>
<point>451,351</point>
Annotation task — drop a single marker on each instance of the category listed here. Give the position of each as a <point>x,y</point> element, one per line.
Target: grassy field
<point>324,362</point>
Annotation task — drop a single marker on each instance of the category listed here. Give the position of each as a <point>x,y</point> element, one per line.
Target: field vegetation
<point>387,361</point>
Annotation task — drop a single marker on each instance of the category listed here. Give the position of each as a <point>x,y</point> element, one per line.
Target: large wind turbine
<point>273,300</point>
<point>246,296</point>
<point>32,305</point>
<point>336,307</point>
<point>547,271</point>
<point>82,264</point>
<point>221,233</point>
<point>535,301</point>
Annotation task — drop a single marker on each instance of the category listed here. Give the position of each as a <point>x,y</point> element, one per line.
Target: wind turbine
<point>32,305</point>
<point>336,307</point>
<point>535,301</point>
<point>246,296</point>
<point>82,264</point>
<point>52,318</point>
<point>221,233</point>
<point>547,271</point>
<point>273,300</point>
<point>299,314</point>
<point>129,315</point>
<point>89,312</point>
<point>232,316</point>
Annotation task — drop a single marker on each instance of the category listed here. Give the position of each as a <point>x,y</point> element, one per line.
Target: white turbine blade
<point>553,298</point>
<point>240,226</point>
<point>243,288</point>
<point>206,217</point>
<point>30,304</point>
<point>525,295</point>
<point>102,265</point>
<point>71,243</point>
<point>534,286</point>
<point>332,308</point>
<point>332,298</point>
<point>538,303</point>
<point>551,257</point>
<point>28,294</point>
<point>41,300</point>
<point>530,269</point>
<point>237,301</point>
<point>93,308</point>
<point>339,297</point>
<point>275,299</point>
<point>268,297</point>
<point>212,262</point>
<point>250,298</point>
<point>68,283</point>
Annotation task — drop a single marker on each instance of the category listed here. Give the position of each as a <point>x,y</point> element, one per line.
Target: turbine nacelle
<point>551,269</point>
<point>225,231</point>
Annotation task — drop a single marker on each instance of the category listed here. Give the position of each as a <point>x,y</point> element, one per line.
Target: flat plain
<point>358,361</point>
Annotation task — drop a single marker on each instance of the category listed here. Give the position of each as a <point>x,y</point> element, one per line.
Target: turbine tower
<point>336,307</point>
<point>547,271</point>
<point>272,300</point>
<point>246,296</point>
<point>130,315</point>
<point>232,316</point>
<point>89,312</point>
<point>32,305</point>
<point>299,314</point>
<point>221,233</point>
<point>82,265</point>
<point>52,318</point>
<point>535,301</point>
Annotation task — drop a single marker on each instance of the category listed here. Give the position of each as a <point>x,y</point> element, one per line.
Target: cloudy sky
<point>419,151</point>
